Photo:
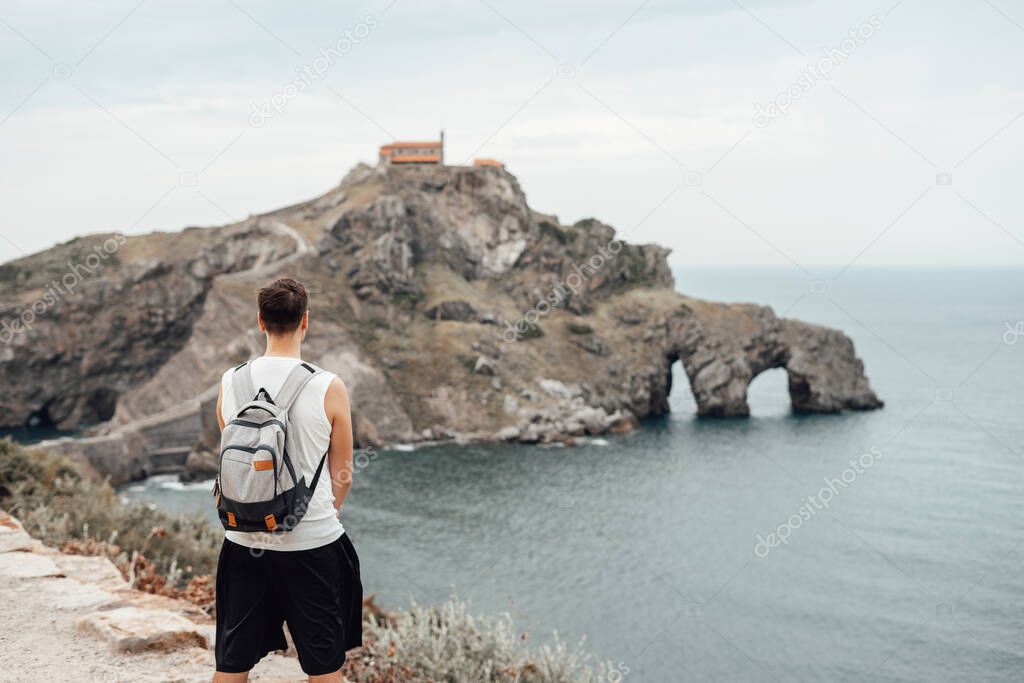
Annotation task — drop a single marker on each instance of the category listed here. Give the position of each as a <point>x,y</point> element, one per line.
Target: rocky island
<point>450,308</point>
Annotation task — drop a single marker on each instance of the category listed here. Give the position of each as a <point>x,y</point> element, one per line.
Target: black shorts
<point>316,592</point>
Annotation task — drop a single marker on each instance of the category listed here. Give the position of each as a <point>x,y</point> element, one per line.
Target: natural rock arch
<point>768,393</point>
<point>724,347</point>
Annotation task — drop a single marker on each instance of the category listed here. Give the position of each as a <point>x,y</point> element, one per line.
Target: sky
<point>736,133</point>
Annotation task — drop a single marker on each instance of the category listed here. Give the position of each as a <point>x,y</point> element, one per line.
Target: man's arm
<point>220,400</point>
<point>339,453</point>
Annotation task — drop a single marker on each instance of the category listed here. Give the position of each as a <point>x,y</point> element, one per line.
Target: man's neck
<point>284,346</point>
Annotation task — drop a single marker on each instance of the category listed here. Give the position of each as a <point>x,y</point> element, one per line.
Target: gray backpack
<point>257,488</point>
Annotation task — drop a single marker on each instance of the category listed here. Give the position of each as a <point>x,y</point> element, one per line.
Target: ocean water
<point>28,435</point>
<point>647,544</point>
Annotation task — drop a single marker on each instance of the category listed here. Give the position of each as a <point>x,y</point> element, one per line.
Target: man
<point>307,577</point>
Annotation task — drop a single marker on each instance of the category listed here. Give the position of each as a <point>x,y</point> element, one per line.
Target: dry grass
<point>448,643</point>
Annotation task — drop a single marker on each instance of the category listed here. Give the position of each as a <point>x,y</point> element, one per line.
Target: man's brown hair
<point>282,304</point>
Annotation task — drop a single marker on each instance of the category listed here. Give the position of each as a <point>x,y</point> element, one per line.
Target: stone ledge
<point>23,565</point>
<point>69,594</point>
<point>131,629</point>
<point>14,541</point>
<point>92,569</point>
<point>13,536</point>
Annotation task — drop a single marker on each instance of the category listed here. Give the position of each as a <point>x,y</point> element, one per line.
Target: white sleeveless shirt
<point>310,432</point>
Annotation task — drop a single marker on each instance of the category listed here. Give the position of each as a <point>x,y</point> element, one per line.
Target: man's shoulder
<point>226,376</point>
<point>328,381</point>
<point>335,390</point>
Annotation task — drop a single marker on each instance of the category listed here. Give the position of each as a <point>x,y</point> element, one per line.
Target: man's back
<point>309,437</point>
<point>304,575</point>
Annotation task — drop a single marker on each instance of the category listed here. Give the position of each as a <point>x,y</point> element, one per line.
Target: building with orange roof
<point>409,152</point>
<point>488,162</point>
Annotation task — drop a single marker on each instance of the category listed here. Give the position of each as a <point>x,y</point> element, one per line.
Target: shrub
<point>580,328</point>
<point>58,505</point>
<point>447,643</point>
<point>530,332</point>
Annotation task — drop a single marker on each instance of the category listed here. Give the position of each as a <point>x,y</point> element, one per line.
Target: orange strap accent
<point>231,519</point>
<point>271,522</point>
<point>261,465</point>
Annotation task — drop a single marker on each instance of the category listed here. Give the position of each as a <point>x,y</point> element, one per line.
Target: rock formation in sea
<point>449,307</point>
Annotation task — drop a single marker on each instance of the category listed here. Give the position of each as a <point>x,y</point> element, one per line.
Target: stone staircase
<point>169,460</point>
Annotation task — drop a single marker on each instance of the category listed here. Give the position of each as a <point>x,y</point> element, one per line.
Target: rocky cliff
<point>449,307</point>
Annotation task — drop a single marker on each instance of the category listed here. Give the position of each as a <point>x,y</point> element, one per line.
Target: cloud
<point>672,90</point>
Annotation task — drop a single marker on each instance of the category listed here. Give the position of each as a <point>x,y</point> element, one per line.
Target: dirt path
<point>302,248</point>
<point>73,618</point>
<point>41,643</point>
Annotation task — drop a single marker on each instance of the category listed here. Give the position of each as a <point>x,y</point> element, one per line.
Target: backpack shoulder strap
<point>293,385</point>
<point>241,385</point>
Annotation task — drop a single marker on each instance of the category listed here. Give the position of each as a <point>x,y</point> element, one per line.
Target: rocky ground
<point>451,309</point>
<point>73,617</point>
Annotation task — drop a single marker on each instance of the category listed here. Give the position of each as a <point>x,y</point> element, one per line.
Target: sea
<point>882,546</point>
